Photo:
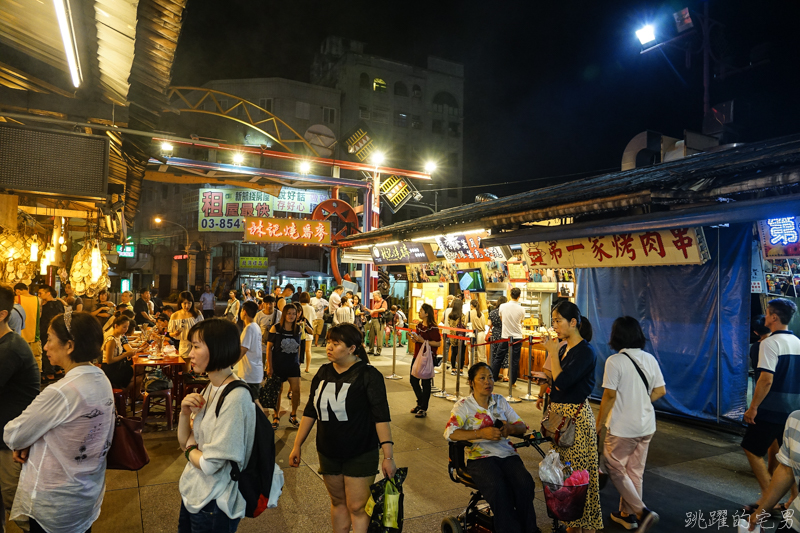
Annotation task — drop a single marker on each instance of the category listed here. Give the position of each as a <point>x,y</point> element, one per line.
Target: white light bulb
<point>35,251</point>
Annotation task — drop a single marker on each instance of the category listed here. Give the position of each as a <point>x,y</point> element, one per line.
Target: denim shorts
<point>364,465</point>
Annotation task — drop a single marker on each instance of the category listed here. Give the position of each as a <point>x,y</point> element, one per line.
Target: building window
<point>452,160</point>
<point>164,192</point>
<point>452,190</point>
<point>438,127</point>
<point>223,104</point>
<point>378,85</point>
<point>453,129</point>
<point>401,120</point>
<point>177,189</point>
<point>329,115</point>
<point>265,103</point>
<point>416,92</point>
<point>400,89</point>
<point>416,122</point>
<point>363,112</point>
<point>446,104</point>
<point>380,116</point>
<point>302,110</point>
<point>363,80</point>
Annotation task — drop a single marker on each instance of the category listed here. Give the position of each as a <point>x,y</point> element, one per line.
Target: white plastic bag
<point>550,469</point>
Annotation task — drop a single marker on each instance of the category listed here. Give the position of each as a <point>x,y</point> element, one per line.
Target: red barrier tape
<point>457,329</point>
<point>459,338</point>
<point>498,341</point>
<point>406,329</point>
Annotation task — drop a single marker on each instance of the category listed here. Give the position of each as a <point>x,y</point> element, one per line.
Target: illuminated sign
<point>292,231</point>
<point>780,237</point>
<point>223,209</point>
<point>396,192</point>
<point>682,246</point>
<point>403,253</point>
<point>126,251</point>
<point>458,248</point>
<point>253,263</point>
<point>180,256</point>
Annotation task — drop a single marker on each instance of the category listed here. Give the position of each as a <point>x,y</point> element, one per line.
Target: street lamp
<point>646,35</point>
<point>430,167</point>
<point>159,220</point>
<point>305,167</point>
<point>238,159</point>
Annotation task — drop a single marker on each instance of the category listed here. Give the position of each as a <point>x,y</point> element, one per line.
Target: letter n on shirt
<point>326,396</point>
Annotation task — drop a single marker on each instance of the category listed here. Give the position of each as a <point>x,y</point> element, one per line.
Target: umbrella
<point>314,274</point>
<point>291,274</point>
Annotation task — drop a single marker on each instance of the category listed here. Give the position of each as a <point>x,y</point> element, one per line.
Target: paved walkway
<point>689,470</point>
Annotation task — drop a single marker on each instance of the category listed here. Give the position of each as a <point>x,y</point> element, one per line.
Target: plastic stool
<point>167,395</point>
<point>121,401</point>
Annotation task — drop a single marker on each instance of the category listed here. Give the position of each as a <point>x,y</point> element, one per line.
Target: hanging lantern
<point>34,250</point>
<point>97,263</point>
<point>89,272</point>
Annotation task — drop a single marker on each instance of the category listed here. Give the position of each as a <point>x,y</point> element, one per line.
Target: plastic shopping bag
<point>423,363</point>
<point>385,504</point>
<point>551,470</point>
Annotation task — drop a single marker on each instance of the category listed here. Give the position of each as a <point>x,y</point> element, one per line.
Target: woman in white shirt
<point>62,438</point>
<point>209,497</point>
<point>232,311</point>
<point>182,321</point>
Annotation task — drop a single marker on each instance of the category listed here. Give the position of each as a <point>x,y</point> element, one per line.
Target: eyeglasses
<point>484,379</point>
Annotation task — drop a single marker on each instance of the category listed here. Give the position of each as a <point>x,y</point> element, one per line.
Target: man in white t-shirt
<point>631,383</point>
<point>511,315</point>
<point>208,303</point>
<point>319,304</point>
<point>336,298</point>
<point>250,367</point>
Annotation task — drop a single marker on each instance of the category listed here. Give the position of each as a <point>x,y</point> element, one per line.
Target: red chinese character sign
<point>683,246</point>
<point>292,231</point>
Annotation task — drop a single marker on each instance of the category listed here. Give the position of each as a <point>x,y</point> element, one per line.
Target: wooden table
<point>171,366</point>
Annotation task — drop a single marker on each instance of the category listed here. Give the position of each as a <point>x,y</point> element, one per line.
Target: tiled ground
<point>689,469</point>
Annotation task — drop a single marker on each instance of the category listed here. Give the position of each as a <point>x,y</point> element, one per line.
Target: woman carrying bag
<point>426,332</point>
<point>573,366</point>
<point>456,320</point>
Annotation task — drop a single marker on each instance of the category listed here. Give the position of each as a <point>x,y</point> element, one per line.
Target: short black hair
<point>52,291</point>
<point>758,325</point>
<point>289,287</point>
<point>515,293</point>
<point>305,297</point>
<point>251,308</point>
<point>626,332</point>
<point>269,299</point>
<point>221,337</point>
<point>144,290</point>
<point>349,335</point>
<point>20,287</point>
<point>121,319</point>
<point>7,295</point>
<point>785,309</point>
<point>84,332</point>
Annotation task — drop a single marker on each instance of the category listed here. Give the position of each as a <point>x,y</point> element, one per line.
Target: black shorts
<point>286,369</point>
<point>759,437</point>
<point>364,465</point>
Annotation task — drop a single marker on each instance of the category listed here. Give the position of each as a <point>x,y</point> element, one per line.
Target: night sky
<point>553,90</point>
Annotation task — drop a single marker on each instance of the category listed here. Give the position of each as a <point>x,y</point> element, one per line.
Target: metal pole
<point>459,362</point>
<point>443,392</point>
<point>510,398</point>
<point>394,354</point>
<point>473,356</point>
<point>530,397</point>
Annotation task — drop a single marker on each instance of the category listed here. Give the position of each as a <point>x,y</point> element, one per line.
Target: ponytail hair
<point>570,311</point>
<point>350,336</point>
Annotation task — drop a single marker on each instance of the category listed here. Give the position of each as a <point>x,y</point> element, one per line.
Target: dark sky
<point>551,89</point>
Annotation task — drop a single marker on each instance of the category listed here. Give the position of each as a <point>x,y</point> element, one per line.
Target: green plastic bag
<point>391,505</point>
<point>385,504</point>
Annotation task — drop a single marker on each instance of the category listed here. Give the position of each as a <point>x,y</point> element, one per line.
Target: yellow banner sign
<point>253,263</point>
<point>292,231</point>
<point>684,246</point>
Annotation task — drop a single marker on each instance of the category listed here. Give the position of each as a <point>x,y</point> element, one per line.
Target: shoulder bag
<point>560,428</point>
<point>127,450</point>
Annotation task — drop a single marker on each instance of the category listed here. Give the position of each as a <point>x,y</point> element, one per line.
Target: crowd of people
<point>80,351</point>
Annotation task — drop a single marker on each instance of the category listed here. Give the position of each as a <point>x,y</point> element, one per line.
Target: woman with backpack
<point>456,320</point>
<point>348,399</point>
<point>211,440</point>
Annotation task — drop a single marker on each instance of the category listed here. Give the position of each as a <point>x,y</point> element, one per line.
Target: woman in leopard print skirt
<point>573,367</point>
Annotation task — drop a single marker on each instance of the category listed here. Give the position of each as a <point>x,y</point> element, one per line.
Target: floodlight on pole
<point>305,167</point>
<point>646,35</point>
<point>166,147</point>
<point>377,158</point>
<point>238,159</point>
<point>430,167</point>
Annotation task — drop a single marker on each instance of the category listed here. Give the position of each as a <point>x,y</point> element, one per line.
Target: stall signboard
<point>437,272</point>
<point>253,263</point>
<point>126,251</point>
<point>396,191</point>
<point>403,253</point>
<point>223,209</point>
<point>682,246</point>
<point>458,248</point>
<point>287,230</point>
<point>780,237</point>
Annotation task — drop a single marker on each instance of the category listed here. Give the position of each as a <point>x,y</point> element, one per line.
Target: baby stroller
<point>478,518</point>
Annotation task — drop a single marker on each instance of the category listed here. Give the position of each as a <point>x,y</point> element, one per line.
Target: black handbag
<point>268,396</point>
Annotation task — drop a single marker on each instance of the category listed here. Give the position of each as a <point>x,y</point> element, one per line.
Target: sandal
<point>276,421</point>
<point>421,414</point>
<point>779,509</point>
<point>751,508</point>
<point>293,420</point>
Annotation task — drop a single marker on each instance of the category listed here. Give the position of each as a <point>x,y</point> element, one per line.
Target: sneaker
<point>421,414</point>
<point>415,410</point>
<point>628,522</point>
<point>649,519</point>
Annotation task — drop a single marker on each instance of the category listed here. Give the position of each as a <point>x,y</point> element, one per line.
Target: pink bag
<point>423,364</point>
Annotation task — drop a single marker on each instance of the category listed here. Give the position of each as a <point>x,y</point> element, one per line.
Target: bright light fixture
<point>35,250</point>
<point>387,243</point>
<point>646,35</point>
<point>305,167</point>
<point>238,159</point>
<point>430,167</point>
<point>68,37</point>
<point>377,158</point>
<point>157,220</point>
<point>166,147</point>
<point>96,264</point>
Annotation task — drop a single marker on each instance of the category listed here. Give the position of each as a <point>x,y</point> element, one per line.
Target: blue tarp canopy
<point>696,319</point>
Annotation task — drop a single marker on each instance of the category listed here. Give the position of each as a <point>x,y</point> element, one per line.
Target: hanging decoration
<point>89,273</point>
<point>15,260</point>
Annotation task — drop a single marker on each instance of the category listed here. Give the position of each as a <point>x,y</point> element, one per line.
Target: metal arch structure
<point>283,134</point>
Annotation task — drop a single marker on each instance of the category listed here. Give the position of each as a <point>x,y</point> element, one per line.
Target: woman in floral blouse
<point>493,463</point>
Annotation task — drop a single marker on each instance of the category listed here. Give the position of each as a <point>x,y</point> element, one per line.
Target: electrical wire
<point>522,181</point>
